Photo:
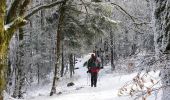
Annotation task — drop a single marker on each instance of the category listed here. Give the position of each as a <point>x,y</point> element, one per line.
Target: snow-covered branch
<point>46,6</point>
<point>141,86</point>
<point>11,27</point>
<point>132,18</point>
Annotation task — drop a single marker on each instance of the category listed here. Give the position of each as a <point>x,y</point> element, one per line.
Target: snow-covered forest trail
<point>107,88</point>
<point>40,41</point>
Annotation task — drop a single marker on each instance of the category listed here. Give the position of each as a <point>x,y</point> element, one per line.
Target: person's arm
<point>88,64</point>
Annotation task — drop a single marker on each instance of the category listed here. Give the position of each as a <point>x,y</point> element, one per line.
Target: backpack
<point>93,63</point>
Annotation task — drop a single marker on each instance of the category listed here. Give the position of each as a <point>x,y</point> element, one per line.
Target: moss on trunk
<point>5,37</point>
<point>2,47</point>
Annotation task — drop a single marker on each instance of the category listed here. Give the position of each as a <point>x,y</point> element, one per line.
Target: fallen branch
<point>137,87</point>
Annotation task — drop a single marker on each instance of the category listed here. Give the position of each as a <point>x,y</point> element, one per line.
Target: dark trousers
<point>93,79</point>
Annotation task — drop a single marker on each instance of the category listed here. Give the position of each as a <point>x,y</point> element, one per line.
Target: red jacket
<point>93,65</point>
<point>94,69</point>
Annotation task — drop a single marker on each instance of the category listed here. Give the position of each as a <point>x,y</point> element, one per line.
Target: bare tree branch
<point>19,22</point>
<point>132,18</point>
<point>42,7</point>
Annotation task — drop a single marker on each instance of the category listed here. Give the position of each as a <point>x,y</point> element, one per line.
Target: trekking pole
<point>98,76</point>
<point>87,78</point>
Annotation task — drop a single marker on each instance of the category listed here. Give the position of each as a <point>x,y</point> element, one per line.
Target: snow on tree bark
<point>20,73</point>
<point>162,39</point>
<point>162,24</point>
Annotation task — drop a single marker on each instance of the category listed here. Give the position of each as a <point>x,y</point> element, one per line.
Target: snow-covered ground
<point>107,87</point>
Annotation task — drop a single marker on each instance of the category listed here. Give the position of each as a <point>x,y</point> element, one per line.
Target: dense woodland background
<point>43,38</point>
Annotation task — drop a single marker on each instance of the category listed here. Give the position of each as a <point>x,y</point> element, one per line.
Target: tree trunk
<point>59,30</point>
<point>74,56</point>
<point>5,37</point>
<point>162,24</point>
<point>162,40</point>
<point>9,76</point>
<point>62,66</point>
<point>16,88</point>
<point>102,61</point>
<point>3,48</point>
<point>111,50</point>
<point>38,72</point>
<point>71,65</point>
<point>20,77</point>
<point>74,62</point>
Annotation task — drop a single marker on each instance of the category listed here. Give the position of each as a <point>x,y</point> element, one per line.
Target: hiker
<point>93,66</point>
